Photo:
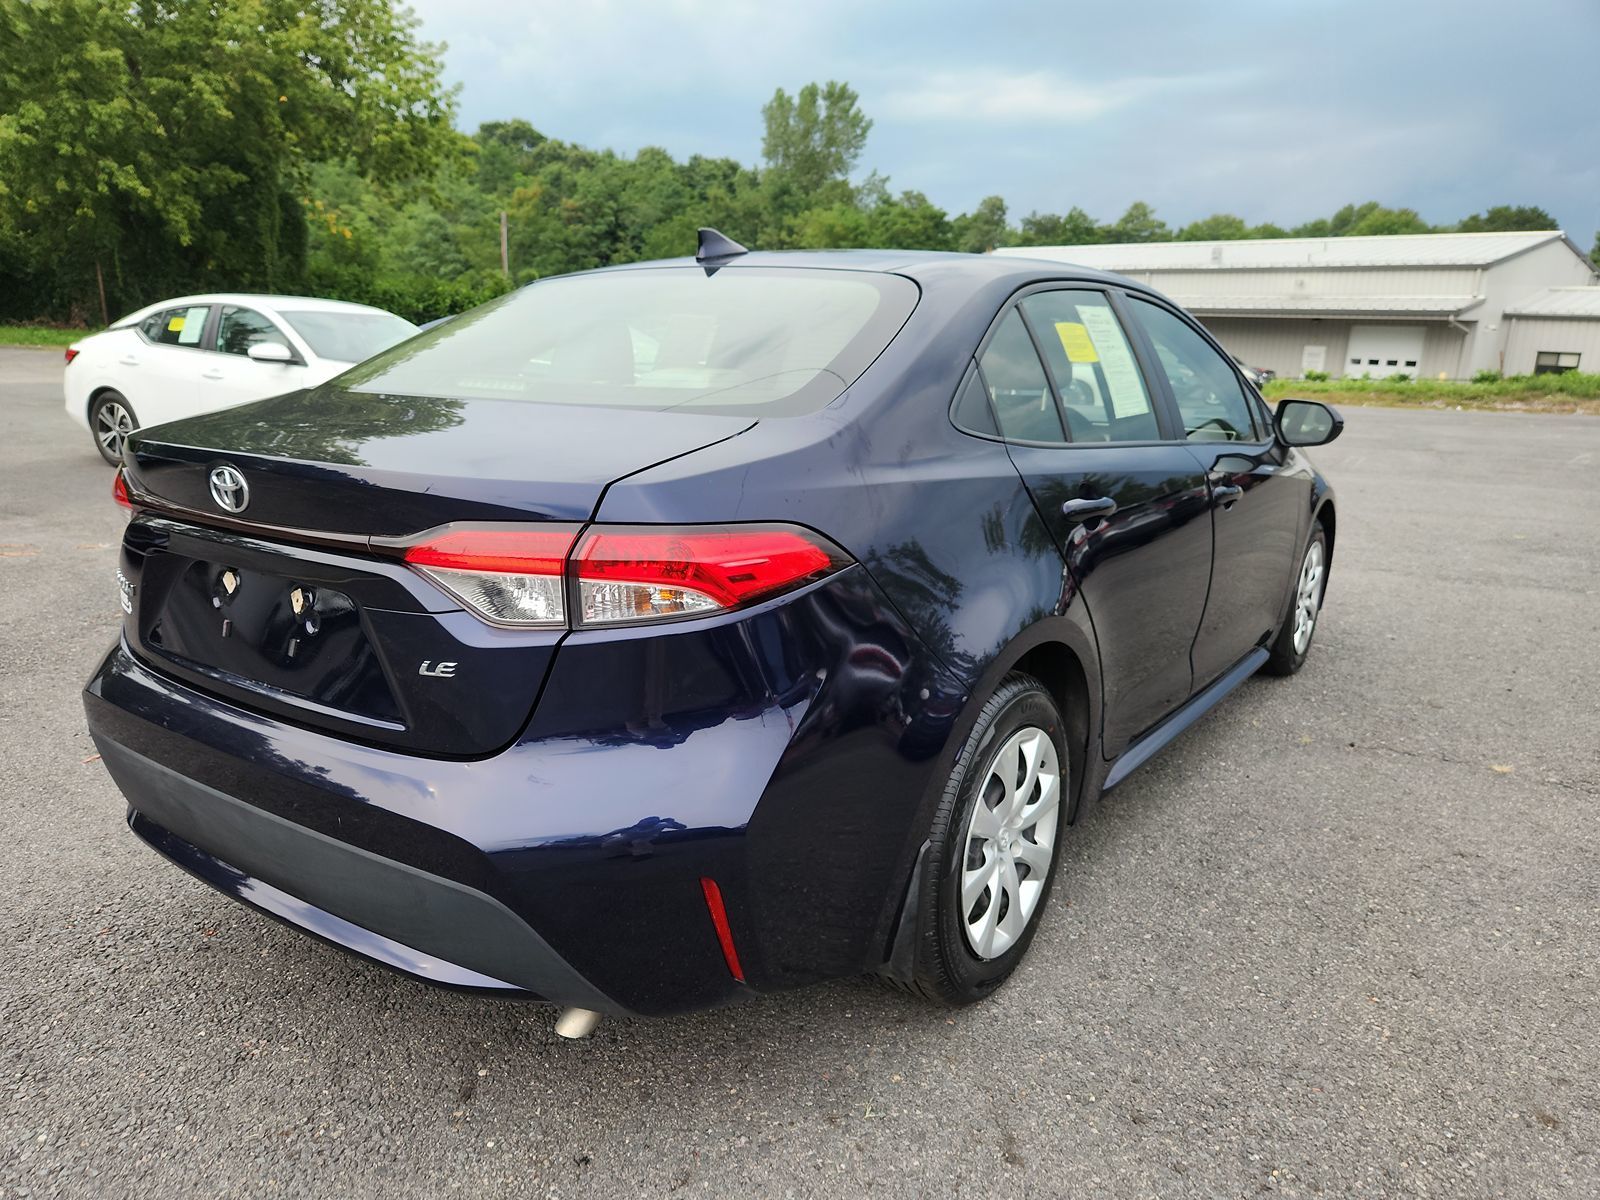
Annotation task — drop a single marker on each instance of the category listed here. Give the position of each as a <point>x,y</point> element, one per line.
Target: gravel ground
<point>1343,938</point>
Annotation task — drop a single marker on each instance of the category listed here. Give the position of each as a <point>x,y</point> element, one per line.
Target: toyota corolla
<point>663,635</point>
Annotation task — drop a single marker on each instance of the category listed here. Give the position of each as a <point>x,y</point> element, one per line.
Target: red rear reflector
<point>119,490</point>
<point>632,573</point>
<point>72,353</point>
<point>719,919</point>
<point>515,551</point>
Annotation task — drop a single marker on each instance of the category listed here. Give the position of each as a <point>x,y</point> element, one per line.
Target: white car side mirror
<point>271,352</point>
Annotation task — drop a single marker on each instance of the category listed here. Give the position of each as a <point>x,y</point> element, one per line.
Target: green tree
<point>815,137</point>
<point>1219,227</point>
<point>1075,228</point>
<point>160,144</point>
<point>1138,224</point>
<point>984,228</point>
<point>1508,218</point>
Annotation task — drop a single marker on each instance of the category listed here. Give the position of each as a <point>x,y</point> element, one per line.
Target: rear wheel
<point>1294,639</point>
<point>111,420</point>
<point>994,846</point>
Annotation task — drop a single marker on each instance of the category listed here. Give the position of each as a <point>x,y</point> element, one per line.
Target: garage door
<point>1383,350</point>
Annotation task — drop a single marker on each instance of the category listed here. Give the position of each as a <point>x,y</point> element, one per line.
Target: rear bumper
<point>785,753</point>
<point>395,914</point>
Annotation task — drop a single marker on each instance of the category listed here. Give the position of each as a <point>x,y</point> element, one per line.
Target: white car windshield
<point>349,336</point>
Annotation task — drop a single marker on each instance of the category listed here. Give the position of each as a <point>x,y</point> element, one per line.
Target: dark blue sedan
<point>660,635</point>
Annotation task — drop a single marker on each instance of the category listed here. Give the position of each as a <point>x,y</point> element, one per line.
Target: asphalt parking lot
<point>1344,937</point>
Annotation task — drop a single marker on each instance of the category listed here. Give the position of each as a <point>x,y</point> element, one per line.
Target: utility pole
<point>505,253</point>
<point>105,314</point>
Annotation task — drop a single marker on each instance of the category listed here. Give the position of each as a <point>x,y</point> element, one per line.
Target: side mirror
<point>1306,423</point>
<point>271,352</point>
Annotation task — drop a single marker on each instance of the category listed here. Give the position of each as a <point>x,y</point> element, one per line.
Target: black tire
<point>945,966</point>
<point>107,426</point>
<point>1285,658</point>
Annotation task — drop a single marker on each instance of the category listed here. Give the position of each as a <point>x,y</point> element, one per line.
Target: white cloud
<point>1031,97</point>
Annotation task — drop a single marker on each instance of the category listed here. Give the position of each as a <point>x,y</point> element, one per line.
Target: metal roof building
<point>1437,304</point>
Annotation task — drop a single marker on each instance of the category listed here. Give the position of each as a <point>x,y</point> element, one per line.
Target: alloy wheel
<point>112,424</point>
<point>1010,842</point>
<point>1308,598</point>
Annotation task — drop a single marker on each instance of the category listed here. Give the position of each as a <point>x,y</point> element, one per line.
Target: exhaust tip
<point>576,1023</point>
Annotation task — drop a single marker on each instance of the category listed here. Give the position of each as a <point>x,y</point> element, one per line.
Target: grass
<point>39,335</point>
<point>1569,393</point>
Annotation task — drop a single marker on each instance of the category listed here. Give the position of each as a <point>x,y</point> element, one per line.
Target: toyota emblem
<point>229,489</point>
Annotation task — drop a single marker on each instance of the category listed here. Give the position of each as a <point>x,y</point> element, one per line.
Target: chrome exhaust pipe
<point>575,1023</point>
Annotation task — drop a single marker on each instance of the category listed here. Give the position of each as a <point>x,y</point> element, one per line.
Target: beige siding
<point>1506,283</point>
<point>1445,351</point>
<point>1527,336</point>
<point>1278,343</point>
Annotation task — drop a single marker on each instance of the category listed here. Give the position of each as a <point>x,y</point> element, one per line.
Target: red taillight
<point>640,573</point>
<point>119,490</point>
<point>719,922</point>
<point>510,575</point>
<point>517,575</point>
<point>72,353</point>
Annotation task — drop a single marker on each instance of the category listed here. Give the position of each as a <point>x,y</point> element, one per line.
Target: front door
<point>1125,501</point>
<point>1258,498</point>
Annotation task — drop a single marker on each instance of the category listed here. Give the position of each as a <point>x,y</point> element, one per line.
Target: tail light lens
<point>119,490</point>
<point>643,573</point>
<point>519,575</point>
<point>509,575</point>
<point>71,353</point>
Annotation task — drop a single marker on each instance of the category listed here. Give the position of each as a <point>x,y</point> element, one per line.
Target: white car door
<point>162,369</point>
<point>232,376</point>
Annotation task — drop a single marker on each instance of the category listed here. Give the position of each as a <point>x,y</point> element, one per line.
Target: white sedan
<point>198,354</point>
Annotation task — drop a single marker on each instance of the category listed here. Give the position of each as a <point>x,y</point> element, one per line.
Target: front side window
<point>762,341</point>
<point>1017,384</point>
<point>240,328</point>
<point>1210,398</point>
<point>1102,392</point>
<point>177,326</point>
<point>1551,362</point>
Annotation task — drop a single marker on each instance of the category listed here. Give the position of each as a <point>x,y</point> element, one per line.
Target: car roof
<point>255,300</point>
<point>921,265</point>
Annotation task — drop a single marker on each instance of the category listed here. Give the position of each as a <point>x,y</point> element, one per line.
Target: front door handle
<point>1087,509</point>
<point>130,361</point>
<point>1226,494</point>
<point>213,375</point>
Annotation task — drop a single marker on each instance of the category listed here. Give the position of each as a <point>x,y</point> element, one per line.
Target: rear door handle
<point>130,361</point>
<point>212,375</point>
<point>1087,509</point>
<point>1226,494</point>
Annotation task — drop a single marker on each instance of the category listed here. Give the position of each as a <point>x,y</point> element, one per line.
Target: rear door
<point>1122,495</point>
<point>1257,505</point>
<point>164,368</point>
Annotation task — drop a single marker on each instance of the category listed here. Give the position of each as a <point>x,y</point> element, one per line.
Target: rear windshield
<point>767,341</point>
<point>349,336</point>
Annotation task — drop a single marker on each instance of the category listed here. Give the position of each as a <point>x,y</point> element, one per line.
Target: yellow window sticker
<point>175,325</point>
<point>1075,340</point>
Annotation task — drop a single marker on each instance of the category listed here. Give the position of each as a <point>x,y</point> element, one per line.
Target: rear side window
<point>1210,398</point>
<point>972,411</point>
<point>240,328</point>
<point>177,326</point>
<point>1103,395</point>
<point>1017,384</point>
<point>761,341</point>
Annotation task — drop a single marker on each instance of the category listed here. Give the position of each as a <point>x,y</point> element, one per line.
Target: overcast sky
<point>1275,110</point>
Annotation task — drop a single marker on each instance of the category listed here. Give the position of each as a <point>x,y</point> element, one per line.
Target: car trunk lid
<point>287,606</point>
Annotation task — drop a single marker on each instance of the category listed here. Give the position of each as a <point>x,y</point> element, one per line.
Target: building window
<point>1550,362</point>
